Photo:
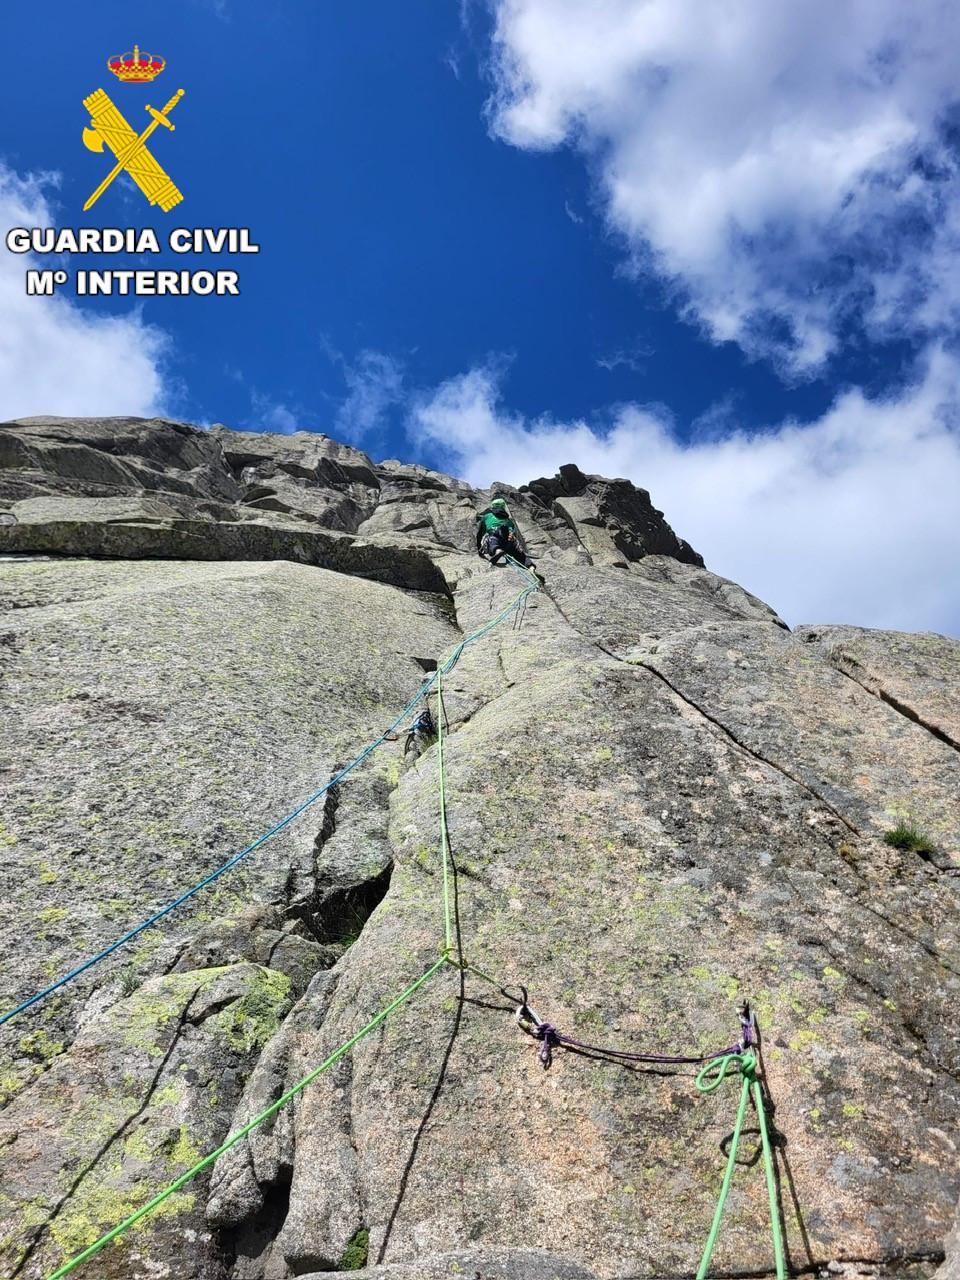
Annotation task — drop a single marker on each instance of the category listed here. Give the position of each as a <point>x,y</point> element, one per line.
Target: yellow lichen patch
<point>40,1044</point>
<point>184,1152</point>
<point>803,1039</point>
<point>255,1018</point>
<point>169,1095</point>
<point>10,1086</point>
<point>93,1210</point>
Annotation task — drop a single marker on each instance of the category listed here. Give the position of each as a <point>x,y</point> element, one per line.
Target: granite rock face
<point>661,802</point>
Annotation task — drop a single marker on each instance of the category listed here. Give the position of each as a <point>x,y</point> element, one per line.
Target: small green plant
<point>906,836</point>
<point>129,981</point>
<point>355,1255</point>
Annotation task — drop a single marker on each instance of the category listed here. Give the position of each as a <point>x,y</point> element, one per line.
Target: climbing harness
<point>498,551</point>
<point>493,548</point>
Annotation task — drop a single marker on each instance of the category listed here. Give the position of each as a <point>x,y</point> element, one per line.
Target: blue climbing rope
<point>311,800</point>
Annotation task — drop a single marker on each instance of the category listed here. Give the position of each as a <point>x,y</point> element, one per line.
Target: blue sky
<point>496,237</point>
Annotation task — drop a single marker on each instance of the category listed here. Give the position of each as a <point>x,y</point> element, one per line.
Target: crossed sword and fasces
<point>110,127</point>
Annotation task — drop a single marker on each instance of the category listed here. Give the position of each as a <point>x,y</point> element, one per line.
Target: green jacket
<point>490,521</point>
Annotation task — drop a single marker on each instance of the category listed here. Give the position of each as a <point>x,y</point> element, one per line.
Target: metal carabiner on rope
<point>527,1018</point>
<point>748,1026</point>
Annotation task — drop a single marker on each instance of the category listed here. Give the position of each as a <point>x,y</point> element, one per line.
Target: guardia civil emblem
<point>108,126</point>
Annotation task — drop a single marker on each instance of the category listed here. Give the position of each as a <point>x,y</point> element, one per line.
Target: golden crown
<point>136,67</point>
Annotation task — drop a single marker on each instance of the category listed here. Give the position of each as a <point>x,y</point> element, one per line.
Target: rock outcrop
<point>661,801</point>
<point>125,487</point>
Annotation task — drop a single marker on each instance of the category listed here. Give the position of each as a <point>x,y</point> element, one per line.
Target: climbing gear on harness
<point>498,538</point>
<point>492,549</point>
<point>422,732</point>
<point>708,1080</point>
<point>500,547</point>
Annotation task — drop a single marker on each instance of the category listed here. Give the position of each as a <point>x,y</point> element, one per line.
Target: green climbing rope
<point>234,1138</point>
<point>444,833</point>
<point>709,1079</point>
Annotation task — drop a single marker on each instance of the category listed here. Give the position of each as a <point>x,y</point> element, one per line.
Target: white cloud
<point>852,518</point>
<point>273,415</point>
<point>374,385</point>
<point>54,357</point>
<point>632,358</point>
<point>786,166</point>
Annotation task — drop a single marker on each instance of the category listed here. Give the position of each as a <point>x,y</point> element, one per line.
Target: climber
<point>498,537</point>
